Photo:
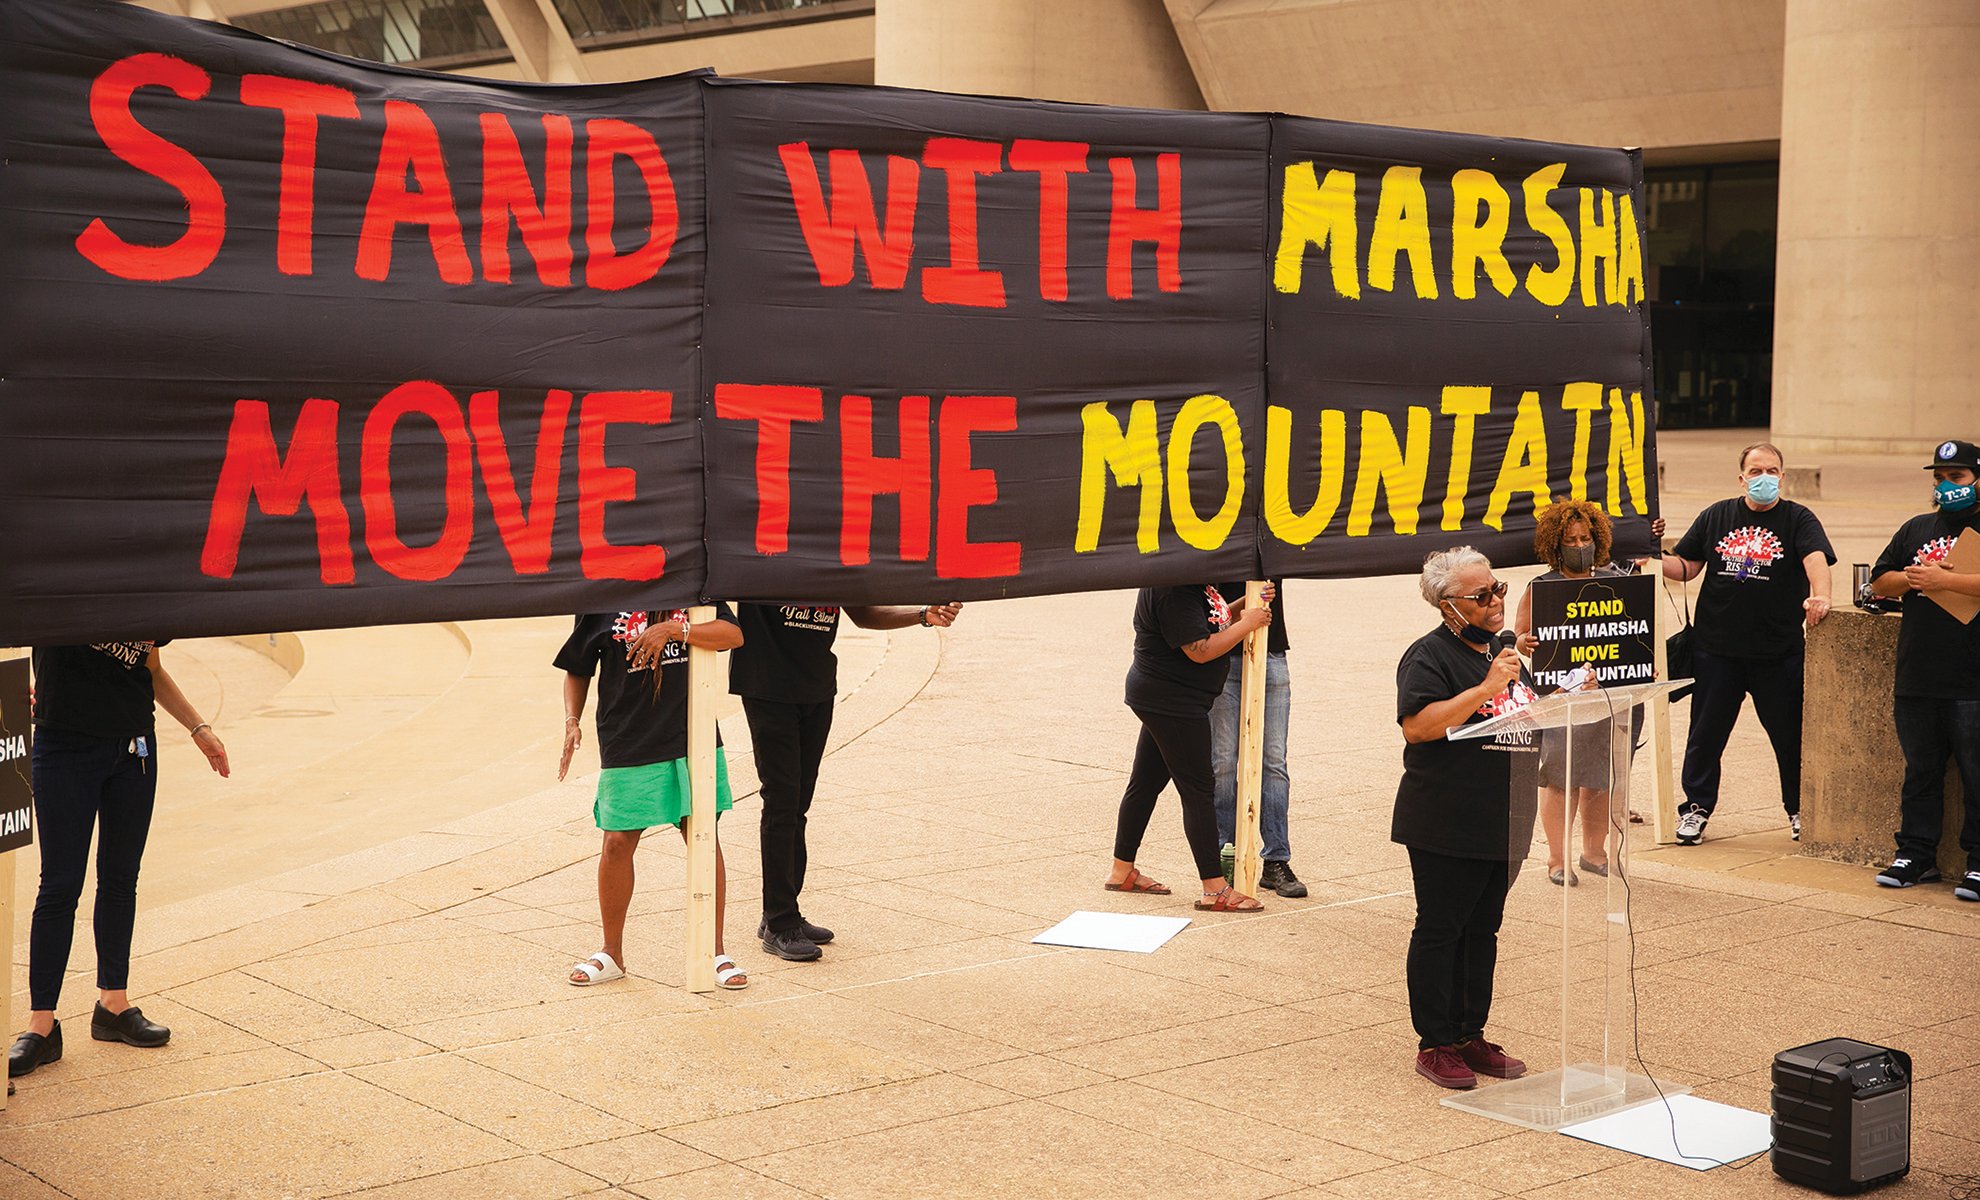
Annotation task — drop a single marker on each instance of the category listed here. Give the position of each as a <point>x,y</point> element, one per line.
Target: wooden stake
<point>1251,749</point>
<point>1663,787</point>
<point>704,682</point>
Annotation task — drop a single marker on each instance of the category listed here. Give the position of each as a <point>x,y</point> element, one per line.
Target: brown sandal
<point>1230,900</point>
<point>1137,882</point>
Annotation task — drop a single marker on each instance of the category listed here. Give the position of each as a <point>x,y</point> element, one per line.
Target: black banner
<point>1456,338</point>
<point>968,364</point>
<point>293,341</point>
<point>290,341</point>
<point>16,756</point>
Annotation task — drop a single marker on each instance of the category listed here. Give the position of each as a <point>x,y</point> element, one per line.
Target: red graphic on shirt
<point>1936,550</point>
<point>1748,551</point>
<point>1516,696</point>
<point>1220,609</point>
<point>628,627</point>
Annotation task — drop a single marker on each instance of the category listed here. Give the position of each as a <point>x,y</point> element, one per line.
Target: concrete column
<point>1874,335</point>
<point>539,40</point>
<point>1092,51</point>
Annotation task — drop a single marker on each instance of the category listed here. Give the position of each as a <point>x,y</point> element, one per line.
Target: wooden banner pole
<point>1251,749</point>
<point>1663,786</point>
<point>704,683</point>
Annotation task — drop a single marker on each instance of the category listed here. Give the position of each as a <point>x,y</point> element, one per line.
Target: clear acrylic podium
<point>1570,803</point>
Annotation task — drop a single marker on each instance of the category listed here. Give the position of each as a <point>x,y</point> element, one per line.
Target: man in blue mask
<point>1937,702</point>
<point>1766,563</point>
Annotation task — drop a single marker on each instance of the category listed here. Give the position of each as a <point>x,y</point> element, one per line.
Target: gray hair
<point>1440,570</point>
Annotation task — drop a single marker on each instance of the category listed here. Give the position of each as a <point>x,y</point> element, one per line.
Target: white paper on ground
<point>1709,1134</point>
<point>1113,931</point>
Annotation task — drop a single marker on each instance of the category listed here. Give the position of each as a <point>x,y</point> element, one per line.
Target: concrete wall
<point>1091,51</point>
<point>1879,265</point>
<point>1603,72</point>
<point>1851,768</point>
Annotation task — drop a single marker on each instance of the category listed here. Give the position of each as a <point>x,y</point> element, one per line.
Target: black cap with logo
<point>1955,453</point>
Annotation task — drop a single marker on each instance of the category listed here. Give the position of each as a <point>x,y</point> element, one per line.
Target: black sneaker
<point>1903,872</point>
<point>815,933</point>
<point>1968,887</point>
<point>792,946</point>
<point>1278,875</point>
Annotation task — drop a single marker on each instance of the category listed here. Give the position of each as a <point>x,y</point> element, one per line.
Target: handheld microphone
<point>1504,640</point>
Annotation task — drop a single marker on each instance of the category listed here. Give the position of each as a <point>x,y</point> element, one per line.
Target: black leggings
<point>81,782</point>
<point>1178,749</point>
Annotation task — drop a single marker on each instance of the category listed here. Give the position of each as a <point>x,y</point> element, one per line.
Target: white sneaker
<point>1794,827</point>
<point>1691,825</point>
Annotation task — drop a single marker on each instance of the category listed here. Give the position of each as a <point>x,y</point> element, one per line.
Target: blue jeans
<point>1277,785</point>
<point>1930,732</point>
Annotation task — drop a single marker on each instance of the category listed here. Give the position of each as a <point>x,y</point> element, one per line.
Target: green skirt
<point>653,795</point>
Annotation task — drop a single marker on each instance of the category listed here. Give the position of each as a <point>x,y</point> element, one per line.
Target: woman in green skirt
<point>641,661</point>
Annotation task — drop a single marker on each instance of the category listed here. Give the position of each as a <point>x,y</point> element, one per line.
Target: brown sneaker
<point>1443,1066</point>
<point>1486,1058</point>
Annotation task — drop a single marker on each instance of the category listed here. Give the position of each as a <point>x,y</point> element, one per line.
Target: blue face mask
<point>1953,497</point>
<point>1764,489</point>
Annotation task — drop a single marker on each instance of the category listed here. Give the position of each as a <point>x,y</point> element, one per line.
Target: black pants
<point>1178,749</point>
<point>1930,732</point>
<point>1723,683</point>
<point>789,742</point>
<point>83,785</point>
<point>1454,948</point>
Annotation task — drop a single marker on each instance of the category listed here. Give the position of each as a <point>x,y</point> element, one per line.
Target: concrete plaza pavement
<point>360,944</point>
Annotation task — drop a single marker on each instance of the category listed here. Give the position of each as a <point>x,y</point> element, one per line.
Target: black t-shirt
<point>786,653</point>
<point>1453,798</point>
<point>1750,603</point>
<point>636,726</point>
<point>1163,681</point>
<point>1937,656</point>
<point>1276,639</point>
<point>102,689</point>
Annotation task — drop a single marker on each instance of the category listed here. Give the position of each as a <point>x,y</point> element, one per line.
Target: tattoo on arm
<point>1199,646</point>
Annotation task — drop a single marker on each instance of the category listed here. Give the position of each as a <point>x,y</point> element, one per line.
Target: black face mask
<point>1578,559</point>
<point>1466,630</point>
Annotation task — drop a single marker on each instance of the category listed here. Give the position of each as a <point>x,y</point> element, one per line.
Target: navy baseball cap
<point>1955,453</point>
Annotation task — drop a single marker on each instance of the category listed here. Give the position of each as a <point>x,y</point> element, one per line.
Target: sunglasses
<point>1496,592</point>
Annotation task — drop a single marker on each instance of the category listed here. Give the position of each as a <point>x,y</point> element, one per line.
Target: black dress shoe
<point>817,935</point>
<point>31,1050</point>
<point>1278,875</point>
<point>128,1027</point>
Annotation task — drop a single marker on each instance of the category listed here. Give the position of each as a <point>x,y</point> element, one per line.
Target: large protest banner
<point>291,341</point>
<point>924,347</point>
<point>1457,338</point>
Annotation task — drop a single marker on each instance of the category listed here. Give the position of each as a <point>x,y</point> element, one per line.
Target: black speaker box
<point>1842,1115</point>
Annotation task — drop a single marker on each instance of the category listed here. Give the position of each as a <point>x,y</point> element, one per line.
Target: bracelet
<point>194,732</point>
<point>569,720</point>
<point>924,616</point>
<point>684,631</point>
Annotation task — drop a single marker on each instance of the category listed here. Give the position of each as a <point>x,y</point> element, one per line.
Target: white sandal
<point>599,968</point>
<point>727,972</point>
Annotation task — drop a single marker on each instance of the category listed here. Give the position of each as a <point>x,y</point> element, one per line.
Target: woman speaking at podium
<point>1452,812</point>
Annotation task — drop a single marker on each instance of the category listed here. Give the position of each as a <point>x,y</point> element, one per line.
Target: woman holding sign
<point>1573,538</point>
<point>1454,814</point>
